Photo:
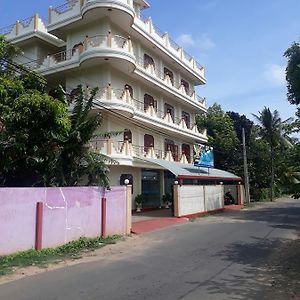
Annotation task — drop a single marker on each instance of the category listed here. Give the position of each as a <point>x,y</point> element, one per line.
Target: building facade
<point>146,85</point>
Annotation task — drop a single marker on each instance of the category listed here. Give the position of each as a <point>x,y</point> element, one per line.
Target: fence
<point>195,200</point>
<point>49,217</point>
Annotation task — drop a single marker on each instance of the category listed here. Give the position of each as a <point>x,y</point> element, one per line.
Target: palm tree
<point>272,131</point>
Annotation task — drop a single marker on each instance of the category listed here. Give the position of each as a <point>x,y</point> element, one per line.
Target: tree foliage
<point>221,135</point>
<point>41,143</point>
<point>75,159</point>
<point>293,73</point>
<point>271,130</point>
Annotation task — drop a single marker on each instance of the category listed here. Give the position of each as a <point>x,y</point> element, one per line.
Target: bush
<point>261,194</point>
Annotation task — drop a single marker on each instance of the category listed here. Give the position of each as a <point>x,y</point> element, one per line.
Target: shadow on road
<point>272,264</point>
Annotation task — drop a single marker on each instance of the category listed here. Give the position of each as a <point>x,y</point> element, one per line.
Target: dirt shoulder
<point>281,272</point>
<point>107,253</point>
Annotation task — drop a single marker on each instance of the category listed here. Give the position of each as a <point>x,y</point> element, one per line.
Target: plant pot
<point>138,208</point>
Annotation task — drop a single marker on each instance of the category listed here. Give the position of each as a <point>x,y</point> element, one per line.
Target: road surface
<point>215,257</point>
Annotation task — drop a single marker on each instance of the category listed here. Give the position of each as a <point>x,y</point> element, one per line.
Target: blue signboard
<point>206,157</point>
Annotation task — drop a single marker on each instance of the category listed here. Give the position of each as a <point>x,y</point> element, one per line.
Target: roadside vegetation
<point>72,250</point>
<point>273,153</point>
<point>42,141</point>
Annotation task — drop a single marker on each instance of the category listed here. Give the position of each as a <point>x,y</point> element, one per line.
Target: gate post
<point>176,187</point>
<point>103,217</point>
<point>128,208</point>
<point>39,226</point>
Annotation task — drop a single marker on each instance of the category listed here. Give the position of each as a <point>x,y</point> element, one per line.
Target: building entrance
<point>151,188</point>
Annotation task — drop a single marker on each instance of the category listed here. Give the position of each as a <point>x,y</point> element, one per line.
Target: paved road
<point>214,257</point>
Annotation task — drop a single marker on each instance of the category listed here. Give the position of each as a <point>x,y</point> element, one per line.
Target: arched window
<point>130,89</point>
<point>148,60</point>
<point>186,149</point>
<point>170,73</point>
<point>169,109</point>
<point>148,142</point>
<point>186,85</point>
<point>148,101</point>
<point>74,94</point>
<point>187,118</point>
<point>170,146</point>
<point>127,135</point>
<point>77,46</point>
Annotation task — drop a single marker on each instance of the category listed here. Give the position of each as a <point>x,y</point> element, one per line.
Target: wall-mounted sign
<point>204,156</point>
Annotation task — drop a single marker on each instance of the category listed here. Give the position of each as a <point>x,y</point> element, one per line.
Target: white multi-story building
<point>146,85</point>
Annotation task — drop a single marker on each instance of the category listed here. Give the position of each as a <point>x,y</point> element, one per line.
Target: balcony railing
<point>159,74</point>
<point>61,9</point>
<point>109,93</point>
<point>73,8</point>
<point>98,41</point>
<point>140,106</point>
<point>164,39</point>
<point>31,24</point>
<point>125,148</point>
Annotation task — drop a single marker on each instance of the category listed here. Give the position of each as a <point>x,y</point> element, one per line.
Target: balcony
<point>146,27</point>
<point>101,47</point>
<point>125,149</point>
<point>164,80</point>
<point>120,100</point>
<point>27,28</point>
<point>74,10</point>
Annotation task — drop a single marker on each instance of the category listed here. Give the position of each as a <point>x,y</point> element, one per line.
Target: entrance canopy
<point>187,171</point>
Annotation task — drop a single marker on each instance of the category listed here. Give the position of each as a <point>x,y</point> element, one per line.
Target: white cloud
<point>204,42</point>
<point>275,74</point>
<point>185,40</point>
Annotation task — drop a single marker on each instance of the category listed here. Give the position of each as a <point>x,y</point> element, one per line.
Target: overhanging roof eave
<point>187,171</point>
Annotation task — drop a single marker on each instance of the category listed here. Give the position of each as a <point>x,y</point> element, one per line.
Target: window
<point>127,135</point>
<point>74,94</point>
<point>129,87</point>
<point>77,46</point>
<point>148,101</point>
<point>169,109</point>
<point>186,149</point>
<point>170,73</point>
<point>186,85</point>
<point>148,60</point>
<point>148,142</point>
<point>170,146</point>
<point>187,118</point>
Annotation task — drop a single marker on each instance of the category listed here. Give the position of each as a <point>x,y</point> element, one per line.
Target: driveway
<point>224,256</point>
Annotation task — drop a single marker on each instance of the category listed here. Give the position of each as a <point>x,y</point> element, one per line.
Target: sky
<point>240,42</point>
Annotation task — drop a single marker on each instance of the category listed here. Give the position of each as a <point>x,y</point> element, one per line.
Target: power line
<point>138,124</point>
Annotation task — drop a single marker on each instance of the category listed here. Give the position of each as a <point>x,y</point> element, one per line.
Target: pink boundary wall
<point>68,214</point>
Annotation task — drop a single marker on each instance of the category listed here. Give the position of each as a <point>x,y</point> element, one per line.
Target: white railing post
<point>109,92</point>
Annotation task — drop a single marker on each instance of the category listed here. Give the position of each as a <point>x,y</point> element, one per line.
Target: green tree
<point>221,136</point>
<point>30,119</point>
<point>41,144</point>
<point>271,131</point>
<point>293,73</point>
<point>293,81</point>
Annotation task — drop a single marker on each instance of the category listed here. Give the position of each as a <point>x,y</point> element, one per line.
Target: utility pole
<point>246,176</point>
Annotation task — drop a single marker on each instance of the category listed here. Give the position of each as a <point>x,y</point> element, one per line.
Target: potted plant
<point>138,202</point>
<point>167,200</point>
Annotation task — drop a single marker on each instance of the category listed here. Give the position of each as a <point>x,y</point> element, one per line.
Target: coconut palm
<point>272,131</point>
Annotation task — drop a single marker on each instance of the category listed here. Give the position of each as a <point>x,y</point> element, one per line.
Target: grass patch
<point>251,204</point>
<point>71,250</point>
